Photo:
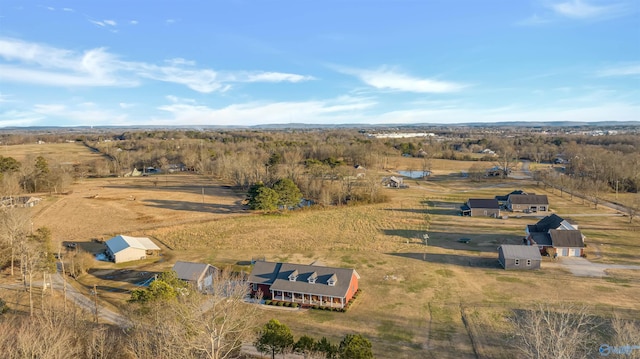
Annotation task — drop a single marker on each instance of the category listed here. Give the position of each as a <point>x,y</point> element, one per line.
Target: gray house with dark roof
<point>308,285</point>
<point>554,235</point>
<point>528,203</point>
<point>478,207</point>
<point>200,275</point>
<point>513,256</point>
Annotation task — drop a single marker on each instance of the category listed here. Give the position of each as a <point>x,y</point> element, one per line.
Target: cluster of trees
<point>276,338</point>
<point>284,193</point>
<point>35,175</point>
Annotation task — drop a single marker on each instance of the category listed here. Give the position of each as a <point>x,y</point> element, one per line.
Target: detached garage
<point>513,256</point>
<point>124,248</point>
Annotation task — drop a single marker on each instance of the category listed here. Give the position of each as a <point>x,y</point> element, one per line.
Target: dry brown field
<point>443,300</point>
<point>60,152</point>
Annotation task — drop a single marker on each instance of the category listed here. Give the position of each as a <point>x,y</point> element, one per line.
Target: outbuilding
<point>200,275</point>
<point>513,256</point>
<point>124,248</point>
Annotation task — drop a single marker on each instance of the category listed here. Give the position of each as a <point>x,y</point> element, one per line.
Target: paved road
<point>584,268</point>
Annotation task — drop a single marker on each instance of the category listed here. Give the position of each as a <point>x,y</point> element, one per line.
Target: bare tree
<point>14,224</point>
<point>563,332</point>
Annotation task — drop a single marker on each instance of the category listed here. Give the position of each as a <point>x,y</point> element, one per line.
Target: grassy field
<point>443,300</point>
<point>61,152</point>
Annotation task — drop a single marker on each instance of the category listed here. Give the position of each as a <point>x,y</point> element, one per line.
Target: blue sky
<point>235,62</point>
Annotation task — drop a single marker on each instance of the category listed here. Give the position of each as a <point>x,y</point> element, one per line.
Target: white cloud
<point>621,70</point>
<point>180,61</point>
<point>533,20</point>
<point>580,9</point>
<point>51,8</point>
<point>385,78</point>
<point>340,110</point>
<point>170,21</point>
<point>133,22</point>
<point>19,118</point>
<point>85,113</point>
<point>125,105</point>
<point>67,9</point>
<point>110,22</point>
<point>276,77</point>
<point>41,64</point>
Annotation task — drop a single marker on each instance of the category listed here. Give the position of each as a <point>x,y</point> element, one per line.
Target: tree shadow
<point>162,184</point>
<point>454,259</point>
<point>195,206</point>
<point>449,240</point>
<point>123,276</point>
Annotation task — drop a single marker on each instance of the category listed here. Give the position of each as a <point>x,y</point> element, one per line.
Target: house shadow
<point>122,277</point>
<point>447,240</point>
<point>195,206</point>
<point>454,259</point>
<point>160,184</point>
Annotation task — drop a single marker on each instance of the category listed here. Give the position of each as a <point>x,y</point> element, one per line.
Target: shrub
<point>315,307</point>
<point>279,304</point>
<point>294,305</point>
<point>267,302</point>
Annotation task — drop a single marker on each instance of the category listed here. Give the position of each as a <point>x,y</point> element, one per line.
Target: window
<point>517,262</point>
<point>331,282</point>
<point>528,262</point>
<point>255,287</point>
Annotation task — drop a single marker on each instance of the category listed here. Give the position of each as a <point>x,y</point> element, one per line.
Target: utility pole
<point>95,302</point>
<point>617,189</point>
<point>202,194</point>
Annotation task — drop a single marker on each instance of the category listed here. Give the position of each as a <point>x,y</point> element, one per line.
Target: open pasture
<point>446,299</point>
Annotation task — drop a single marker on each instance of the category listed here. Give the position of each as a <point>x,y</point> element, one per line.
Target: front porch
<point>308,299</point>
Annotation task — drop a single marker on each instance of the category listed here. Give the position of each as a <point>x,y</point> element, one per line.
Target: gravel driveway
<point>583,268</point>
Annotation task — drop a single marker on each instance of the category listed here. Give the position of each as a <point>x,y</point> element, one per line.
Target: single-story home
<point>481,207</point>
<point>528,203</point>
<point>20,201</point>
<point>512,256</point>
<point>502,200</point>
<point>200,275</point>
<point>124,248</point>
<point>554,235</point>
<point>308,285</point>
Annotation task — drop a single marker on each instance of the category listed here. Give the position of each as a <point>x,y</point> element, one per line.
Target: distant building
<point>481,207</point>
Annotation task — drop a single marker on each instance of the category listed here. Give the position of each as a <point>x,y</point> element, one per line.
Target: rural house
<point>513,256</point>
<point>502,200</point>
<point>553,235</point>
<point>124,248</point>
<point>304,284</point>
<point>476,207</point>
<point>527,203</point>
<point>200,275</point>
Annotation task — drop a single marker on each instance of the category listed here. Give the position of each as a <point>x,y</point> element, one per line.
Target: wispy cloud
<point>386,78</point>
<point>133,22</point>
<point>67,9</point>
<point>632,69</point>
<point>34,63</point>
<point>580,9</point>
<point>554,11</point>
<point>338,110</point>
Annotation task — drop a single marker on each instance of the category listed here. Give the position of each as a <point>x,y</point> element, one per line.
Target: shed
<point>513,256</point>
<point>124,248</point>
<point>481,207</point>
<point>200,275</point>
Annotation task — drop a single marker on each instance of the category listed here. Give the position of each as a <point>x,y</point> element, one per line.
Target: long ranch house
<point>306,285</point>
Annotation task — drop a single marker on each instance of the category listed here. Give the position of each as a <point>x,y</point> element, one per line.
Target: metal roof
<point>483,203</point>
<point>120,242</point>
<point>514,251</point>
<point>191,271</point>
<point>277,276</point>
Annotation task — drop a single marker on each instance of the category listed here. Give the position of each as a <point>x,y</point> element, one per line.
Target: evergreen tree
<point>275,338</point>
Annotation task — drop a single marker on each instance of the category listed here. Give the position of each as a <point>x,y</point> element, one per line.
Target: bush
<point>267,302</point>
<point>315,307</point>
<point>279,304</point>
<point>294,305</point>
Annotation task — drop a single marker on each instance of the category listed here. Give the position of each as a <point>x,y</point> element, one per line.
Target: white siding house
<point>198,274</point>
<point>124,248</point>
